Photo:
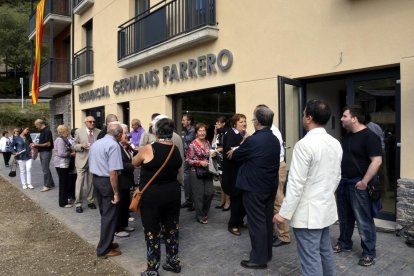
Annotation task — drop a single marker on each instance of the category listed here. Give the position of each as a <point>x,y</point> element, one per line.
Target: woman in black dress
<point>160,203</point>
<point>233,138</point>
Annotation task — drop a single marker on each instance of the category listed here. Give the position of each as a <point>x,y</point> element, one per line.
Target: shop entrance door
<point>291,105</point>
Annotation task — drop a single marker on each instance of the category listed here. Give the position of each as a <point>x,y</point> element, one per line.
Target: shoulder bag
<point>134,206</point>
<point>13,168</point>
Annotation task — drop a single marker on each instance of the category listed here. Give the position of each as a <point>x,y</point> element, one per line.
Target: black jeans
<point>6,156</point>
<point>63,174</point>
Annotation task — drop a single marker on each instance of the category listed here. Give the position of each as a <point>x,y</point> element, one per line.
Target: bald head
<point>115,129</point>
<point>39,124</point>
<point>111,118</point>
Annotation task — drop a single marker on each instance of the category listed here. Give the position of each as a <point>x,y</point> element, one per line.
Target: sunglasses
<point>92,122</point>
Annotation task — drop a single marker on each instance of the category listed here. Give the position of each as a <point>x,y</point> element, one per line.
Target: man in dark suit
<point>259,157</point>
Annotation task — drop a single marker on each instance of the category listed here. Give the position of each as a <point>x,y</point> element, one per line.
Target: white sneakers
<point>30,186</point>
<point>24,186</point>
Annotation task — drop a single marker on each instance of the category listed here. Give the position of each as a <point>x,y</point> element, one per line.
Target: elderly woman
<point>201,180</point>
<point>125,182</point>
<point>232,139</point>
<point>21,147</point>
<point>160,203</point>
<point>61,160</point>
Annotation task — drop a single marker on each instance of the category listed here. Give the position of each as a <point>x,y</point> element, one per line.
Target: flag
<point>40,9</point>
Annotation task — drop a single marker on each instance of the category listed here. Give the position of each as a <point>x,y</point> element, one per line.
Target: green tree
<point>14,44</point>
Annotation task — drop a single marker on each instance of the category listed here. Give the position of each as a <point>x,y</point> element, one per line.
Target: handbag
<point>134,206</point>
<point>13,168</point>
<point>202,172</point>
<point>213,166</point>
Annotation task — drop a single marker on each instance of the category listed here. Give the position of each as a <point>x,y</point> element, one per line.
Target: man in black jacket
<point>259,157</point>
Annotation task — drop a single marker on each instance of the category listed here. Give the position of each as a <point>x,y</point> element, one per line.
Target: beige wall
<point>407,115</point>
<point>295,39</point>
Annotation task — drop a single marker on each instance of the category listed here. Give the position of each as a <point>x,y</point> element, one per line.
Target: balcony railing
<point>165,20</point>
<point>79,6</point>
<point>52,7</point>
<point>83,63</point>
<point>55,70</point>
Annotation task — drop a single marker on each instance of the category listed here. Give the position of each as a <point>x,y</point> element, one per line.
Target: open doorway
<point>378,92</point>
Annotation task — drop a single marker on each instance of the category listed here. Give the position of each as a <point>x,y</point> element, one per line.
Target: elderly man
<point>136,132</point>
<point>105,162</point>
<point>309,204</point>
<point>45,147</point>
<point>259,157</point>
<point>84,138</point>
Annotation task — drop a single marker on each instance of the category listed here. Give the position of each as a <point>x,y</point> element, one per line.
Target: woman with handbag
<point>62,153</point>
<point>21,147</point>
<point>201,180</point>
<point>160,203</point>
<point>233,138</point>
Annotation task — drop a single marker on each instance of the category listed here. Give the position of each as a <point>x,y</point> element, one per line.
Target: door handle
<point>399,145</point>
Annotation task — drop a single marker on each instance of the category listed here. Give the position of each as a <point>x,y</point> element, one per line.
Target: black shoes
<point>235,231</point>
<point>79,210</point>
<point>92,205</point>
<point>366,261</point>
<point>277,242</point>
<point>338,249</point>
<point>248,264</point>
<point>172,268</point>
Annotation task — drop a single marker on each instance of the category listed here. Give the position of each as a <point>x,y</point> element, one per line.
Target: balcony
<point>83,66</point>
<point>54,77</point>
<point>56,17</point>
<point>164,28</point>
<point>80,6</point>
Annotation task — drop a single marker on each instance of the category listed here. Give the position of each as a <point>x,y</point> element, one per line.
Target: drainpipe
<point>71,67</point>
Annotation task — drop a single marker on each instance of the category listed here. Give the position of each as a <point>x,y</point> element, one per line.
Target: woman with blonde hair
<point>21,147</point>
<point>62,153</point>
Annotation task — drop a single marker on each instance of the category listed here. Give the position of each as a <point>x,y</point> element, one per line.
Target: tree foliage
<point>14,43</point>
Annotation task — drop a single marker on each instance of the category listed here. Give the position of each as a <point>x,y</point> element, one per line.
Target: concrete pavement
<point>210,249</point>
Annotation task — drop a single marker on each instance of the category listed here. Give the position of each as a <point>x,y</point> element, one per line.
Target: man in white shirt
<point>310,204</point>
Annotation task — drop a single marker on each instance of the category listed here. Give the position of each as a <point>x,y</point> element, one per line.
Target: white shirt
<point>3,143</point>
<point>314,175</point>
<point>278,135</point>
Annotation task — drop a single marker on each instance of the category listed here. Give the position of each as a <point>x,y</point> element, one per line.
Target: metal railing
<point>83,62</point>
<point>163,21</point>
<point>60,7</point>
<point>55,70</point>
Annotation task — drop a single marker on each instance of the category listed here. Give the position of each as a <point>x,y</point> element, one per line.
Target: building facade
<point>209,58</point>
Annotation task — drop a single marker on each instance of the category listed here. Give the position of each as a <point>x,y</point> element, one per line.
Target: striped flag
<point>40,9</point>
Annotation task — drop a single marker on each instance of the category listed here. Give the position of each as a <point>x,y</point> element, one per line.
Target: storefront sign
<point>94,94</point>
<point>192,68</point>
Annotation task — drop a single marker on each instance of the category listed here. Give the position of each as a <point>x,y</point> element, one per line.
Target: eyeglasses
<point>92,122</point>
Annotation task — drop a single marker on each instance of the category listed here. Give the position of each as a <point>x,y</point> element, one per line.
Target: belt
<point>98,176</point>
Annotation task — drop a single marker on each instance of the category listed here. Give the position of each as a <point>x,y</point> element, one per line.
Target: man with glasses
<point>84,137</point>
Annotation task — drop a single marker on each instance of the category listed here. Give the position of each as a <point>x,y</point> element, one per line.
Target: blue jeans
<point>315,251</point>
<point>354,204</point>
<point>45,157</point>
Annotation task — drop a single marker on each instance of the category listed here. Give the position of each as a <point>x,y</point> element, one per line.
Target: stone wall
<point>405,201</point>
<point>60,106</point>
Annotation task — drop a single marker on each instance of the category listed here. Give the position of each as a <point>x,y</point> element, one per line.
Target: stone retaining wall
<point>405,201</point>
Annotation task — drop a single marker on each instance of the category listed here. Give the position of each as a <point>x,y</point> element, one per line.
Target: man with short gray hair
<point>105,162</point>
<point>45,147</point>
<point>259,158</point>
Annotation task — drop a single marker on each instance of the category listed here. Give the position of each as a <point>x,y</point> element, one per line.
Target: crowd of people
<point>250,169</point>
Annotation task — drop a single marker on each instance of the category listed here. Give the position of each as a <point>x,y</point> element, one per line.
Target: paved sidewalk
<point>210,249</point>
